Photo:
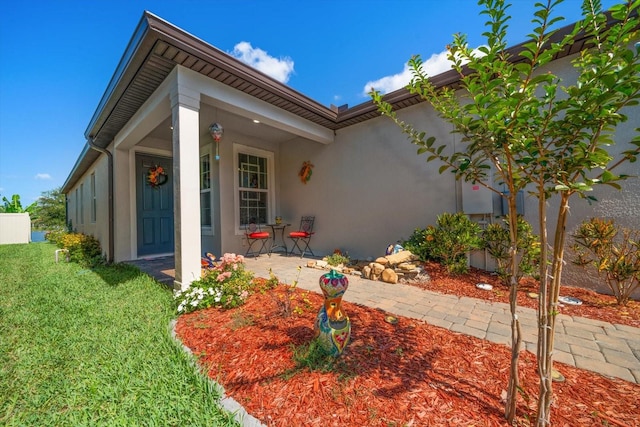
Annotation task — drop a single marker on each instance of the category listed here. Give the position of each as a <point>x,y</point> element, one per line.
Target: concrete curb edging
<point>228,403</point>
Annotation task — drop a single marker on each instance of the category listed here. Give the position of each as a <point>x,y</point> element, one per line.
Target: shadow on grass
<point>116,274</point>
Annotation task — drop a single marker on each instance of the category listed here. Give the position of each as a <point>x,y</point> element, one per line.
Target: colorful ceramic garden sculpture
<point>332,325</point>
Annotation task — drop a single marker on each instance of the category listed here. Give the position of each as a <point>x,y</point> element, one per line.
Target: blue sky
<point>57,57</point>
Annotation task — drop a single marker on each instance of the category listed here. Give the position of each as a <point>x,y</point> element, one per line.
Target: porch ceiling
<point>248,128</point>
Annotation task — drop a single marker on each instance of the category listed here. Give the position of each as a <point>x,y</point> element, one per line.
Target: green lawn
<point>83,347</point>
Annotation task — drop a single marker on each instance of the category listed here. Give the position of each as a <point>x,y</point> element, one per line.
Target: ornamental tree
<point>536,133</point>
<point>50,210</point>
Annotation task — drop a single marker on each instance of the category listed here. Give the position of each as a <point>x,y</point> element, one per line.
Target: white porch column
<point>185,106</point>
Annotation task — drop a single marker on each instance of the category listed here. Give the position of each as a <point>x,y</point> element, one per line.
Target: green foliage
<point>313,356</point>
<point>15,206</point>
<point>226,286</point>
<point>337,258</point>
<point>598,245</point>
<point>454,237</point>
<point>55,236</point>
<point>449,242</point>
<point>83,248</point>
<point>284,302</point>
<point>495,239</point>
<point>50,210</point>
<point>421,243</point>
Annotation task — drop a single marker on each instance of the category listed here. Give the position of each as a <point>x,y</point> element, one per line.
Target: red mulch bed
<point>410,373</point>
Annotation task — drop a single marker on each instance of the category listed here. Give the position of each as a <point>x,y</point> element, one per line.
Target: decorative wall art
<point>305,172</point>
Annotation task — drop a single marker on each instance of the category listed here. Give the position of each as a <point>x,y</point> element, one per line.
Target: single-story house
<point>151,181</point>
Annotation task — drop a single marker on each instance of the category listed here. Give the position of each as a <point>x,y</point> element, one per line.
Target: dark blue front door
<point>154,200</point>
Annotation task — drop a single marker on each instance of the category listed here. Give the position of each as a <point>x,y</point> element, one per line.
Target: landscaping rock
<point>389,276</point>
<point>382,260</point>
<point>400,257</point>
<point>407,266</point>
<point>376,268</point>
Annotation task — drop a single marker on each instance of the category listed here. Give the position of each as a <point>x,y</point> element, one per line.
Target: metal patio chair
<point>303,236</point>
<point>254,235</point>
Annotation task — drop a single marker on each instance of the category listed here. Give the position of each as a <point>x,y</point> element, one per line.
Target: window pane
<point>252,171</point>
<point>205,209</point>
<point>253,207</point>
<point>205,172</point>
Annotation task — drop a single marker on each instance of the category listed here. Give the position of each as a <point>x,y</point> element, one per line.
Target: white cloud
<point>278,68</point>
<point>42,176</point>
<point>436,64</point>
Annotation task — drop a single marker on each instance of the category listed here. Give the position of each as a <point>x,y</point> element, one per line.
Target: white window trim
<point>270,156</point>
<point>207,230</point>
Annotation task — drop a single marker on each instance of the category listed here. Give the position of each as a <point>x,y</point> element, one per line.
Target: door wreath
<point>156,176</point>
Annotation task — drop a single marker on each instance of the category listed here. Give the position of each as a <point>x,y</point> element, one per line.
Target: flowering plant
<point>227,285</point>
<point>156,176</point>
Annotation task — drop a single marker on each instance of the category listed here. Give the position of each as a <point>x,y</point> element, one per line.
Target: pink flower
<point>223,276</point>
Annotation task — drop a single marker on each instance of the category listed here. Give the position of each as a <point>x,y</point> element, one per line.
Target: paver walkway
<point>611,350</point>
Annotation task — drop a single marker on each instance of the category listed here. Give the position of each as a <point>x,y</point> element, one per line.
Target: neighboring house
<point>368,188</point>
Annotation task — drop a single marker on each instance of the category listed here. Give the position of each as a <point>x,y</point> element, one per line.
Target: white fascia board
<point>245,105</point>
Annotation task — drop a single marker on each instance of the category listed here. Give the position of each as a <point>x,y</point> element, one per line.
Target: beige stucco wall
<point>368,189</point>
<point>98,228</point>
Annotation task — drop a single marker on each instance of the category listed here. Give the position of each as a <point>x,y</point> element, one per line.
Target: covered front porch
<point>214,187</point>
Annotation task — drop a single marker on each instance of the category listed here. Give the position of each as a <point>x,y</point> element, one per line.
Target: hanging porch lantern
<point>216,132</point>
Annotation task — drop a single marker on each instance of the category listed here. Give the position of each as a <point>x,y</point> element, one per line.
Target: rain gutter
<point>92,144</point>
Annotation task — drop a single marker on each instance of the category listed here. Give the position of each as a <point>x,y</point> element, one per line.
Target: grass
<point>85,347</point>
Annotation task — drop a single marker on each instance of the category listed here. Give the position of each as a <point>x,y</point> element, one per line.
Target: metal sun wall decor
<point>305,172</point>
<point>332,325</point>
<point>216,132</point>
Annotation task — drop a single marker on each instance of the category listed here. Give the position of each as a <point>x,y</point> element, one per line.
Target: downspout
<point>92,144</point>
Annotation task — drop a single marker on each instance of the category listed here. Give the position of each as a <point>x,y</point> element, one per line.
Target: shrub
<point>226,286</point>
<point>421,243</point>
<point>496,240</point>
<point>597,245</point>
<point>454,237</point>
<point>54,236</point>
<point>83,248</point>
<point>337,258</point>
<point>448,243</point>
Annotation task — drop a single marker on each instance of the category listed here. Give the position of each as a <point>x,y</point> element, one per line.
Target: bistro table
<point>280,227</point>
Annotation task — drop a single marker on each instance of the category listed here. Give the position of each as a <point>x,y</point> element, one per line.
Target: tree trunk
<point>548,310</point>
<point>516,332</point>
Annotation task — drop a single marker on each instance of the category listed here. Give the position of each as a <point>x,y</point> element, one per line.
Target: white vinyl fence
<point>15,228</point>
